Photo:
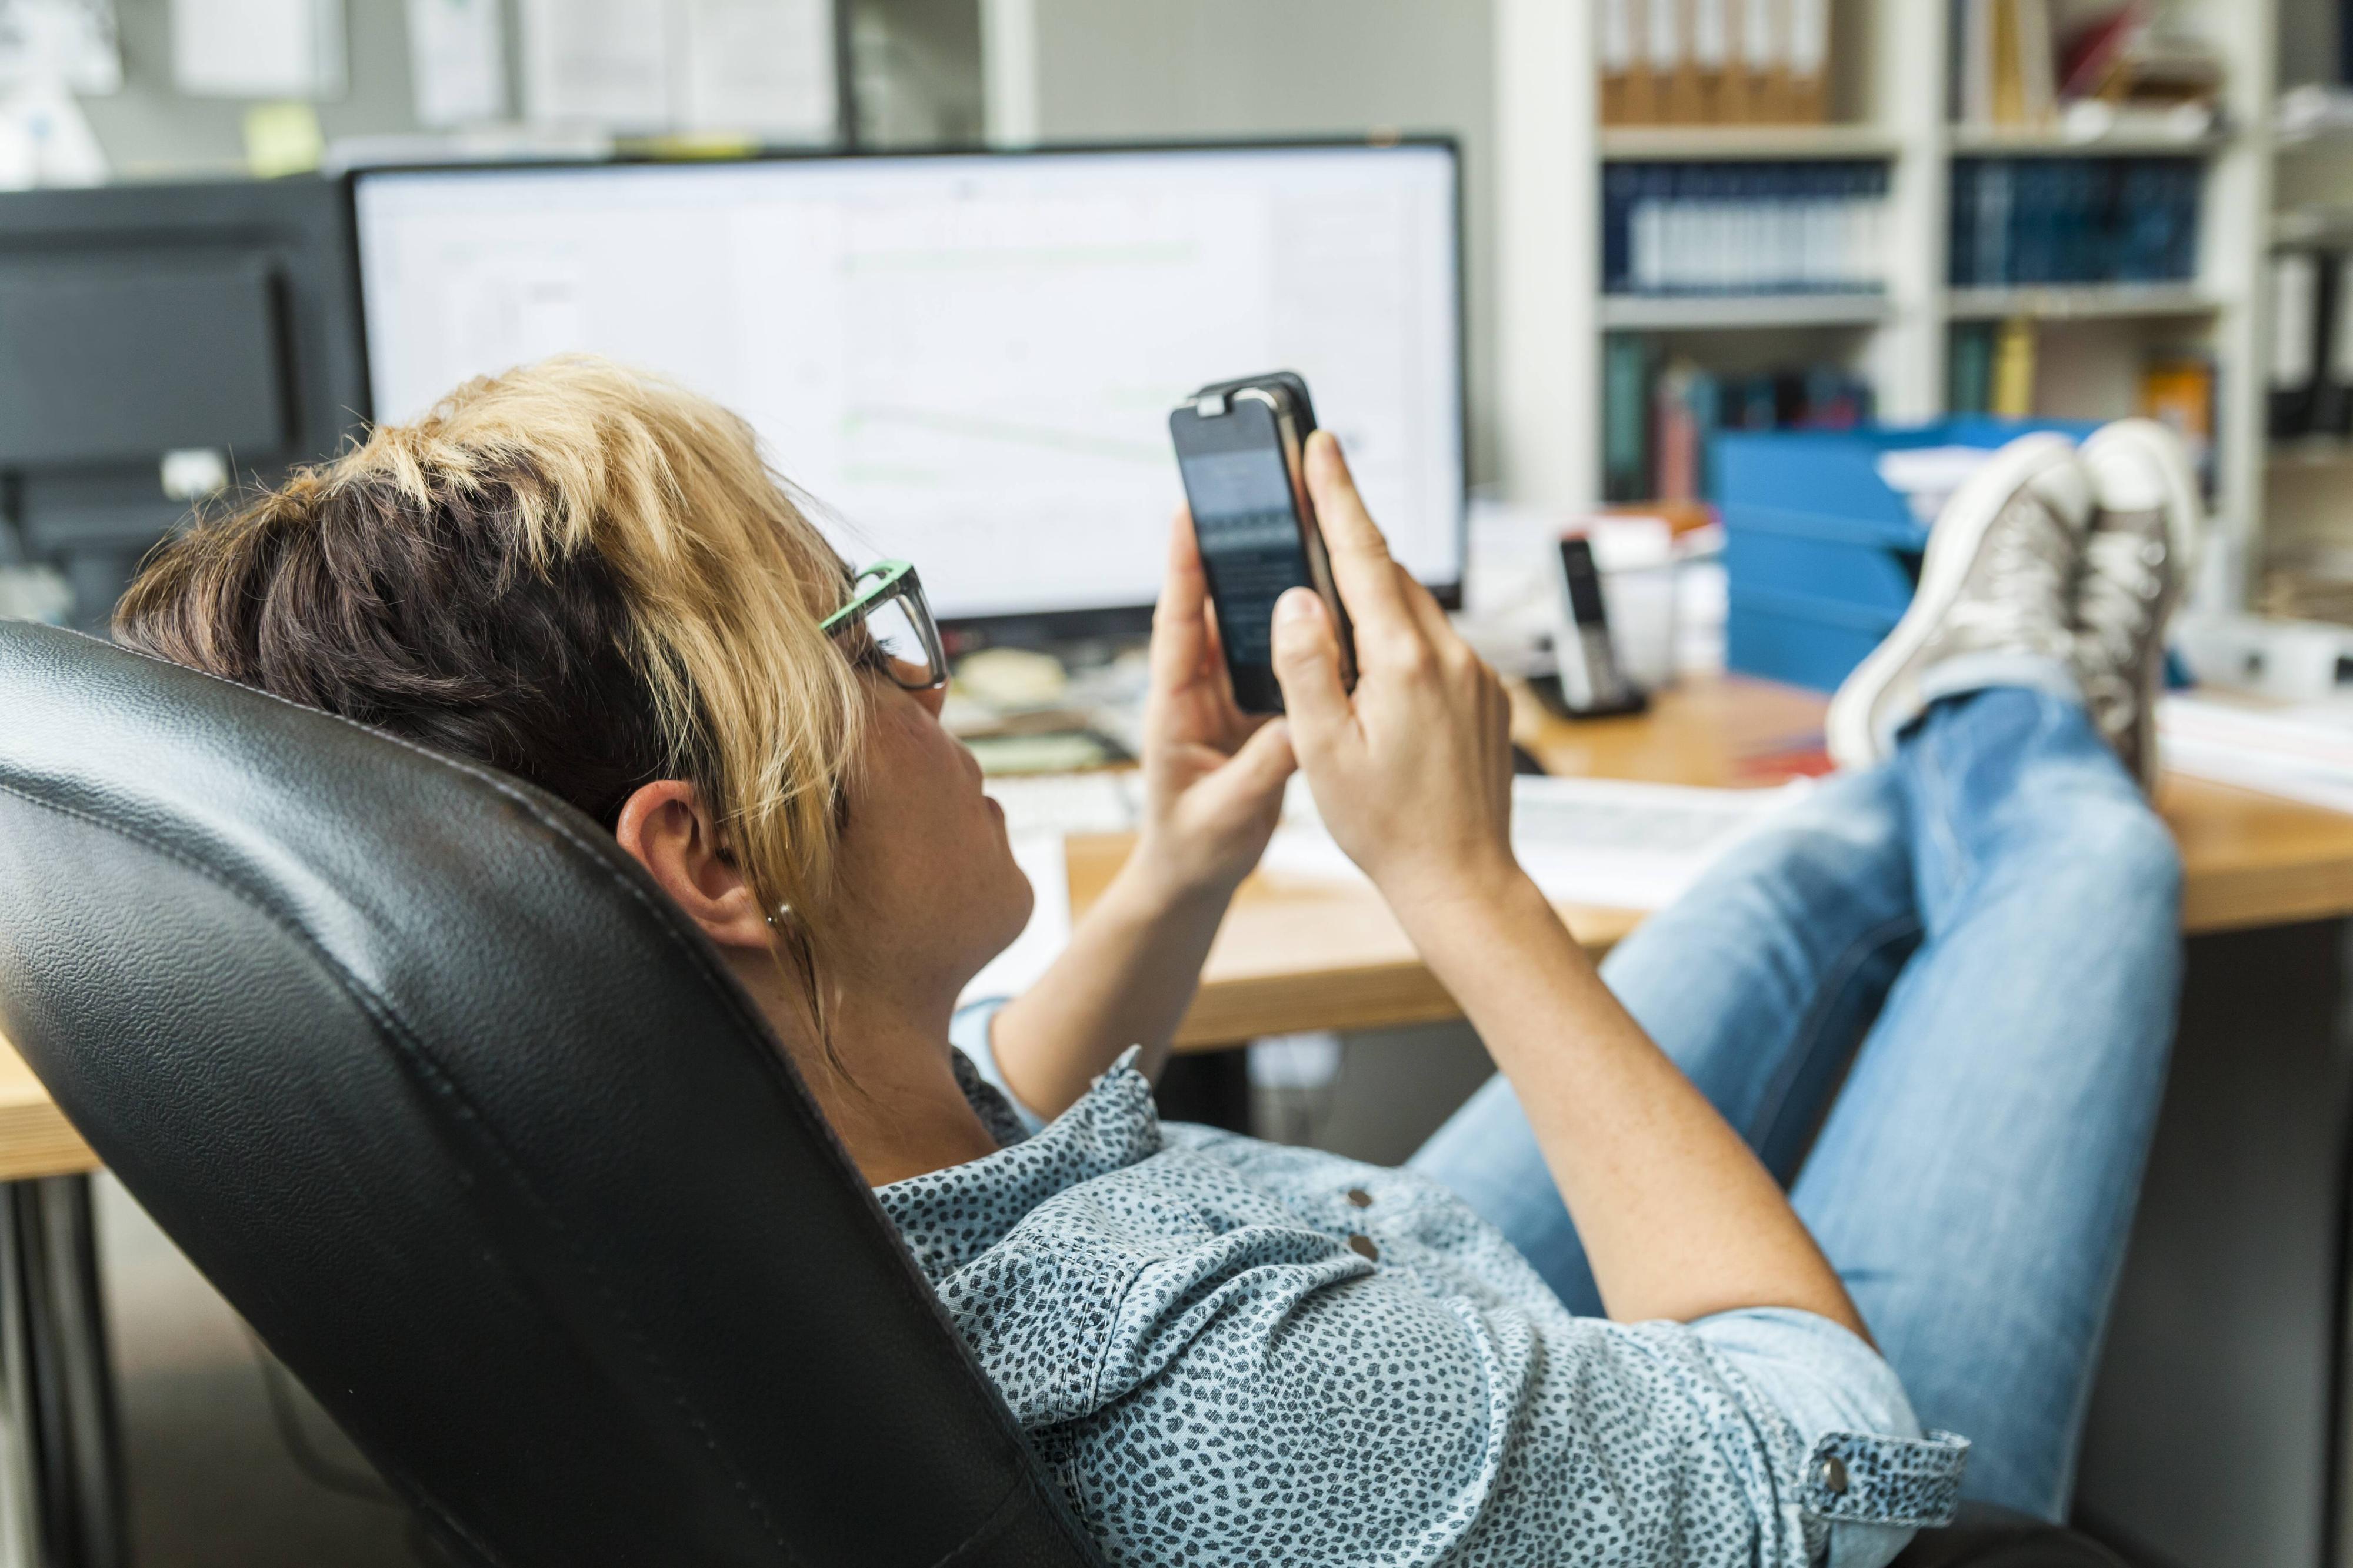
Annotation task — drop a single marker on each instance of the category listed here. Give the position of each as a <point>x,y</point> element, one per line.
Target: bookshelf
<point>1888,103</point>
<point>1699,312</point>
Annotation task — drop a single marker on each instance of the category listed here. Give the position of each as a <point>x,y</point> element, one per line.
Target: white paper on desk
<point>1611,843</point>
<point>2304,751</point>
<point>258,48</point>
<point>763,66</point>
<point>456,61</point>
<point>1014,971</point>
<point>598,62</point>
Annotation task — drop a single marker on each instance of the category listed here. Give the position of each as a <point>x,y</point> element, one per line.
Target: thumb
<point>1264,762</point>
<point>1308,667</point>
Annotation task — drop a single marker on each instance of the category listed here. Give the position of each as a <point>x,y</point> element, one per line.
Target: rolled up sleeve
<point>1870,1475</point>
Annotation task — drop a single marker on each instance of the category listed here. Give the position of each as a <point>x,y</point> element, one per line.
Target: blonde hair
<point>626,532</point>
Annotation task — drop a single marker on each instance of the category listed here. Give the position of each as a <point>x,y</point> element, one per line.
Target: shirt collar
<point>949,1217</point>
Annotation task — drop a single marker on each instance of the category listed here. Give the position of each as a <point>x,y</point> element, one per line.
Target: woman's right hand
<point>1412,773</point>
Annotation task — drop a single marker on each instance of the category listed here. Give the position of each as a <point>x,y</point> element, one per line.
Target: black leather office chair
<point>433,1084</point>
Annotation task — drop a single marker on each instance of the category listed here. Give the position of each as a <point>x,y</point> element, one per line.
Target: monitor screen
<point>967,358</point>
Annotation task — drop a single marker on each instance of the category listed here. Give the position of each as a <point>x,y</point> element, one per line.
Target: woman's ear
<point>666,828</point>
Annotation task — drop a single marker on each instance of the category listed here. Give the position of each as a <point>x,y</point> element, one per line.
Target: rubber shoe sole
<point>1853,728</point>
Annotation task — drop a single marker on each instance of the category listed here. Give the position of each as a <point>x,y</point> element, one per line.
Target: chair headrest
<point>476,1129</point>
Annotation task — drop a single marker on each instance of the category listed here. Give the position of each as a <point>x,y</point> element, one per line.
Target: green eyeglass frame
<point>896,635</point>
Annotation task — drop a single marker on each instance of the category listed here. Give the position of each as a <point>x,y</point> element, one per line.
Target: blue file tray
<point>1823,556</point>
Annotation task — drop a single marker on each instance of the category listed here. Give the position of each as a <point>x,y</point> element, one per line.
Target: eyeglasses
<point>887,628</point>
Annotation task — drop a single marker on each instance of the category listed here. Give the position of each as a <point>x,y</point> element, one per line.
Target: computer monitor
<point>968,359</point>
<point>149,332</point>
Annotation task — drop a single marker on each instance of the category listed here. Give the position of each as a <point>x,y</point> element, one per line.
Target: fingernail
<point>1296,605</point>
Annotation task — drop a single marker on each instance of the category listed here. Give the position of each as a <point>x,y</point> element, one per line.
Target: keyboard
<point>1107,800</point>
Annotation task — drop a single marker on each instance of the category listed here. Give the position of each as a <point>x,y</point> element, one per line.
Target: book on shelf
<point>1661,415</point>
<point>1743,228</point>
<point>2041,221</point>
<point>1713,62</point>
<point>2026,65</point>
<point>1968,369</point>
<point>2011,392</point>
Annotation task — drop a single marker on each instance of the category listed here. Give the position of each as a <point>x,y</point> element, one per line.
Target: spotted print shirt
<point>1236,1351</point>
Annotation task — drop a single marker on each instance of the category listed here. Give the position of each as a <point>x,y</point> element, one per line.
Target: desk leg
<point>2213,1440</point>
<point>60,1447</point>
<point>1211,1088</point>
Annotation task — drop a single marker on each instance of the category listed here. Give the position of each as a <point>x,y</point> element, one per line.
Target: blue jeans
<point>1994,914</point>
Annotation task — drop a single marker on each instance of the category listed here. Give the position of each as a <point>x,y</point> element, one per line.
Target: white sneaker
<point>1998,576</point>
<point>2147,523</point>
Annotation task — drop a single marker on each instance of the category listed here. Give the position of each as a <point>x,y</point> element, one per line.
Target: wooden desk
<point>1304,956</point>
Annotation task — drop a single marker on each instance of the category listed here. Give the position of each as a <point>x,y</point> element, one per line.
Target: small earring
<point>785,911</point>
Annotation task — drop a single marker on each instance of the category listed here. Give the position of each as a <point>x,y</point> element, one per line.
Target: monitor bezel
<point>1016,628</point>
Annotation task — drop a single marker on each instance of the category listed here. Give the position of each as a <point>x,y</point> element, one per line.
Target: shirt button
<point>1833,1475</point>
<point>1362,1245</point>
<point>1358,1197</point>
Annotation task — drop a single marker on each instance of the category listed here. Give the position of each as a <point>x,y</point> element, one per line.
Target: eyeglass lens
<point>891,626</point>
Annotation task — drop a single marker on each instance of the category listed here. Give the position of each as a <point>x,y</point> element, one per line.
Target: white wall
<point>1131,69</point>
<point>148,131</point>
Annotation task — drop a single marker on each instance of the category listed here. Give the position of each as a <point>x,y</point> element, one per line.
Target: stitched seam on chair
<point>442,1085</point>
<point>1864,948</point>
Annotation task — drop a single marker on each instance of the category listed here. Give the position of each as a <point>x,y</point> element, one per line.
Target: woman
<point>1227,1349</point>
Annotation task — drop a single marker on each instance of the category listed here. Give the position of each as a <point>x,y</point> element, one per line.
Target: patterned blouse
<point>1231,1351</point>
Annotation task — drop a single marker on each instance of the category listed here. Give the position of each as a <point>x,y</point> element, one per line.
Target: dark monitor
<point>213,324</point>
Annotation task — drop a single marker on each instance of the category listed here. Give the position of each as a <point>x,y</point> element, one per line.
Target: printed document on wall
<point>258,48</point>
<point>67,43</point>
<point>456,61</point>
<point>762,67</point>
<point>597,62</point>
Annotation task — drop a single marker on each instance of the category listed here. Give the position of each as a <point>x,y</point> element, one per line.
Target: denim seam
<point>1849,962</point>
<point>1936,791</point>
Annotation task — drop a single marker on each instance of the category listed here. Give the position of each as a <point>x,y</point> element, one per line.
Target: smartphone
<point>1240,447</point>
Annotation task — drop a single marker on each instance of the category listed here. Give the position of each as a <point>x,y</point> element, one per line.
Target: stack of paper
<point>2303,752</point>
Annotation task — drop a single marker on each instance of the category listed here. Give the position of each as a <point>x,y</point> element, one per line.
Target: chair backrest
<point>476,1131</point>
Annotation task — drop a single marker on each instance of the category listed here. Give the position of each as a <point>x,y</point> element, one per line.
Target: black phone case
<point>1291,381</point>
<point>1303,415</point>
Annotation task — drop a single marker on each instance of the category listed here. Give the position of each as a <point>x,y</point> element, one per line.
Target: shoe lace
<point>2116,612</point>
<point>2117,609</point>
<point>2021,598</point>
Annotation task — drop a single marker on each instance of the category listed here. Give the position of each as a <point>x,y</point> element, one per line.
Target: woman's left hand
<point>1213,775</point>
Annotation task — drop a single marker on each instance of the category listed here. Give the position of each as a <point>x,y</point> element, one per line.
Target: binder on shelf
<point>1754,81</point>
<point>1708,40</point>
<point>2296,321</point>
<point>1969,370</point>
<point>2333,410</point>
<point>1806,44</point>
<point>1619,45</point>
<point>1625,420</point>
<point>1674,71</point>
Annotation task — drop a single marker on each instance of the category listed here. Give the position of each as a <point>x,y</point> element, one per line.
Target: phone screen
<point>1251,548</point>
